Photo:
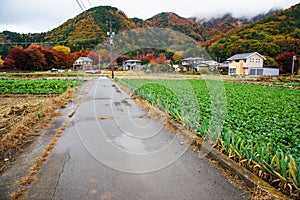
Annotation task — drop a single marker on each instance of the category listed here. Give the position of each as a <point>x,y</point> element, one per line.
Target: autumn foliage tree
<point>177,57</point>
<point>62,49</point>
<point>9,63</point>
<point>19,57</point>
<point>52,58</point>
<point>121,59</point>
<point>284,61</point>
<point>147,59</point>
<point>39,58</point>
<point>1,62</point>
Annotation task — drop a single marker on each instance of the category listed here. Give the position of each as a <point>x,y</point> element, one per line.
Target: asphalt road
<point>110,150</point>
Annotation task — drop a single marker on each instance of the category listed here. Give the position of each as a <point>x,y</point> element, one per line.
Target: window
<point>252,72</point>
<point>251,60</point>
<point>260,71</point>
<point>257,60</point>
<point>232,70</point>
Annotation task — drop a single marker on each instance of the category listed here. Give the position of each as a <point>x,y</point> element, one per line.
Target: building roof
<point>86,59</point>
<point>244,56</point>
<point>193,58</point>
<point>132,61</point>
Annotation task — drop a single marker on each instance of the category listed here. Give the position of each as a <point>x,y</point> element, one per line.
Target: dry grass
<point>20,118</point>
<point>253,193</point>
<point>258,194</point>
<point>21,115</point>
<point>31,177</point>
<point>20,194</point>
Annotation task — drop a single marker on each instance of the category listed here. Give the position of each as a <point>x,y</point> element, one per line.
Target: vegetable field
<point>36,86</point>
<point>260,127</point>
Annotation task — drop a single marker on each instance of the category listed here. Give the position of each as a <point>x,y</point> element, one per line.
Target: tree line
<point>38,58</point>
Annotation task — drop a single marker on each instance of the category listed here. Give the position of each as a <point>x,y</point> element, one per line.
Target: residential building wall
<point>254,61</point>
<point>243,65</point>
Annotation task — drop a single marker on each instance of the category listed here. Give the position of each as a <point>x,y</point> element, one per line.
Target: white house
<point>83,63</point>
<point>132,65</point>
<point>249,64</point>
<point>196,63</point>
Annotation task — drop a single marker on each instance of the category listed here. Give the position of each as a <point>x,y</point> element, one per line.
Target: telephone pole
<point>99,61</point>
<point>111,35</point>
<point>293,63</point>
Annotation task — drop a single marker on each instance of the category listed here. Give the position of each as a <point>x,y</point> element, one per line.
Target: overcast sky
<point>26,16</point>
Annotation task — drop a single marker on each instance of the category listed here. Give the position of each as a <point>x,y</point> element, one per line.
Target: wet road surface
<point>110,150</point>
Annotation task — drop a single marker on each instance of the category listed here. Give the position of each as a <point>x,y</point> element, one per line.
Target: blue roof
<point>243,56</point>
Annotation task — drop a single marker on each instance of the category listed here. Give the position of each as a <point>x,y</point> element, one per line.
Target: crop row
<point>36,86</point>
<point>295,84</point>
<point>257,125</point>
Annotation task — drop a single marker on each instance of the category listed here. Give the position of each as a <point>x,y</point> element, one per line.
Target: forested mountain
<point>81,33</point>
<point>271,36</point>
<point>172,21</point>
<point>224,36</point>
<point>89,28</point>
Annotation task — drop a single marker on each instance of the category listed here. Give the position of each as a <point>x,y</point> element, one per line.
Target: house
<point>175,68</point>
<point>223,68</point>
<point>132,65</point>
<point>196,63</point>
<point>83,63</point>
<point>249,64</point>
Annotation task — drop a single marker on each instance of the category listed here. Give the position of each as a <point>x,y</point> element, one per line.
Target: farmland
<point>27,105</point>
<point>36,86</point>
<point>259,125</point>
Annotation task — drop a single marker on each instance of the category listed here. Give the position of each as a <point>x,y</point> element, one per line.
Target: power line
<point>90,3</point>
<point>80,5</point>
<point>63,41</point>
<point>83,5</point>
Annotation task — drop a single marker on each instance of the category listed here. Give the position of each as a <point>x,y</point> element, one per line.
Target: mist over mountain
<point>86,30</point>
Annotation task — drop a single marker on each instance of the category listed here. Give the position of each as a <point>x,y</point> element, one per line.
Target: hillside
<point>200,29</point>
<point>271,36</point>
<point>215,27</point>
<point>85,31</point>
<point>172,21</point>
<point>89,28</point>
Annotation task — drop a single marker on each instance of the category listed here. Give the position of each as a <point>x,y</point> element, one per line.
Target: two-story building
<point>241,64</point>
<point>249,64</point>
<point>83,63</point>
<point>132,65</point>
<point>196,63</point>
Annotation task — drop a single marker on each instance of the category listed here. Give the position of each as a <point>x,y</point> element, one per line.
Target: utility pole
<point>111,35</point>
<point>99,61</point>
<point>293,64</point>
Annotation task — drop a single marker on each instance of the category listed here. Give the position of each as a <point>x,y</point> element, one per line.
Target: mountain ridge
<point>89,28</point>
<point>272,35</point>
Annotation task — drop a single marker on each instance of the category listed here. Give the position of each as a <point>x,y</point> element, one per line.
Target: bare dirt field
<point>21,116</point>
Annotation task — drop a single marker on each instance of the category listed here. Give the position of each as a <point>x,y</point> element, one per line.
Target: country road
<point>112,150</point>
